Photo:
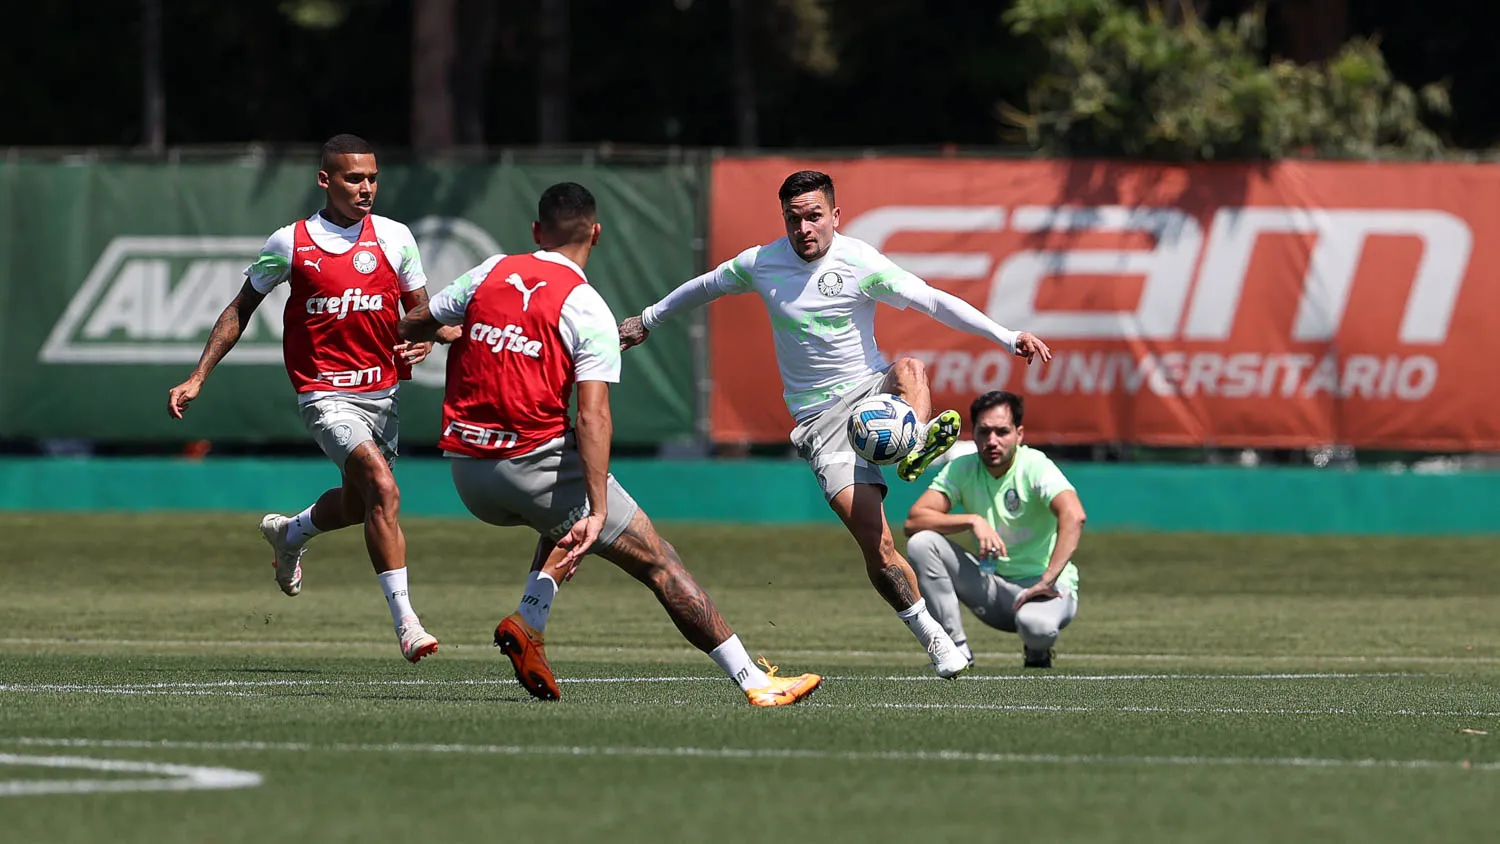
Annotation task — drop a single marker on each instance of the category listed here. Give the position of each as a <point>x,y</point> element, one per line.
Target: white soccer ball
<point>883,428</point>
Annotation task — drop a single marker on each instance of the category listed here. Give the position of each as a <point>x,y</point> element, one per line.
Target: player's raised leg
<point>369,482</point>
<point>860,506</point>
<point>289,534</point>
<point>643,554</point>
<point>907,378</point>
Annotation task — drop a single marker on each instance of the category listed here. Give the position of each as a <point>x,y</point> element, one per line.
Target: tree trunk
<point>153,89</point>
<point>433,50</point>
<point>552,65</point>
<point>478,21</point>
<point>747,129</point>
<point>1313,30</point>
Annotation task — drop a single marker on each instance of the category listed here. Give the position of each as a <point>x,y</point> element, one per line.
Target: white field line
<point>1173,710</point>
<point>775,754</point>
<point>267,688</point>
<point>1002,656</point>
<point>167,777</point>
<point>224,686</point>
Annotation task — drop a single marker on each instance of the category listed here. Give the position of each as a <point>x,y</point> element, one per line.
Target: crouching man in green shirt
<point>1026,519</point>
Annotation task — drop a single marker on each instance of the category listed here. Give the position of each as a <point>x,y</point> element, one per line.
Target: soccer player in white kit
<point>349,270</point>
<point>820,289</point>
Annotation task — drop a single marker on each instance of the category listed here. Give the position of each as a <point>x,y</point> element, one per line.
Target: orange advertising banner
<point>1280,305</point>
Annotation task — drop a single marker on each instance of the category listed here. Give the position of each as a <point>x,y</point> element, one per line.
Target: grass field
<point>1217,689</point>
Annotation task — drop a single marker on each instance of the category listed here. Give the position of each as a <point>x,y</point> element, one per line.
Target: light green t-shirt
<point>1017,504</point>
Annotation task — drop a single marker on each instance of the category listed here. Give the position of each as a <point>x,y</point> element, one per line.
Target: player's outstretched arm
<point>956,313</point>
<point>730,277</point>
<point>633,332</point>
<point>227,331</point>
<point>593,431</point>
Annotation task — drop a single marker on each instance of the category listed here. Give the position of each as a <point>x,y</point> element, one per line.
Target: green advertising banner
<point>112,275</point>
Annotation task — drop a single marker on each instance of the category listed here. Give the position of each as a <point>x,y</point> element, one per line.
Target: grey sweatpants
<point>949,574</point>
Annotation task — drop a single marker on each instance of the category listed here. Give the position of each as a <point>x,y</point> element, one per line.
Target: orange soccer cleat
<point>783,691</point>
<point>524,646</point>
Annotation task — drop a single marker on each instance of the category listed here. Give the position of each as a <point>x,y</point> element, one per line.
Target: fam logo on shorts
<point>1012,501</point>
<point>830,284</point>
<point>364,261</point>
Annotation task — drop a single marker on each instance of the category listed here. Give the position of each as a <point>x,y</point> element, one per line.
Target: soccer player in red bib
<point>349,271</point>
<point>533,329</point>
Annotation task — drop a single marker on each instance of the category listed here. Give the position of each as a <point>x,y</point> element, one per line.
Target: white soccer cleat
<point>947,659</point>
<point>288,558</point>
<point>416,642</point>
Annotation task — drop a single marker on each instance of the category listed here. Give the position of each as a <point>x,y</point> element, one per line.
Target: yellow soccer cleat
<point>783,691</point>
<point>942,433</point>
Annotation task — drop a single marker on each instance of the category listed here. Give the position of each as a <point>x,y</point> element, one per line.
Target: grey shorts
<point>342,423</point>
<point>823,441</point>
<point>543,489</point>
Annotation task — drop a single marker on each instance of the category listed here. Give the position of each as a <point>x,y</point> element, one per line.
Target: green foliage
<point>1121,81</point>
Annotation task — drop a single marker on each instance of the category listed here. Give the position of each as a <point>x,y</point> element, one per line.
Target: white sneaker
<point>416,642</point>
<point>947,659</point>
<point>288,558</point>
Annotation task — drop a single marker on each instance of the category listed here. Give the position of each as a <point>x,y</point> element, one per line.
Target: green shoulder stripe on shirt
<point>411,259</point>
<point>740,276</point>
<point>881,282</point>
<point>272,265</point>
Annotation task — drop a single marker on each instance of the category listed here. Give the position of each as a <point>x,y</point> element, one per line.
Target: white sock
<point>536,601</point>
<point>302,528</point>
<point>963,648</point>
<point>921,623</point>
<point>394,584</point>
<point>735,660</point>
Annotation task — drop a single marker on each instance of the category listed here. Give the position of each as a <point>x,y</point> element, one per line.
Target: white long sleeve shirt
<point>823,313</point>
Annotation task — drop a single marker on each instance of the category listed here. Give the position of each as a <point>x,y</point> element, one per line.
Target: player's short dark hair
<point>806,181</point>
<point>567,209</point>
<point>345,144</point>
<point>995,398</point>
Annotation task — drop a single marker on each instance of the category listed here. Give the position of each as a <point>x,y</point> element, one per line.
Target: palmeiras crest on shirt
<point>830,284</point>
<point>364,261</point>
<point>1012,501</point>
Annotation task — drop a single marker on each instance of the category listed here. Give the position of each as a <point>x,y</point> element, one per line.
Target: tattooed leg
<point>644,555</point>
<point>860,506</point>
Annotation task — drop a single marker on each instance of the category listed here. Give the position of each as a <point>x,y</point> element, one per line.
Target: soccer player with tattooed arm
<point>534,331</point>
<point>349,270</point>
<point>820,289</point>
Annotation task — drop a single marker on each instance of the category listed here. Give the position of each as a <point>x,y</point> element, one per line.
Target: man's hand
<point>579,539</point>
<point>1036,592</point>
<point>990,543</point>
<point>448,333</point>
<point>1029,346</point>
<point>414,352</point>
<point>178,398</point>
<point>633,332</point>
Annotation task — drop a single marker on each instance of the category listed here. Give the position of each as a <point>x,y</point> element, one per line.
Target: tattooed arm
<point>226,333</point>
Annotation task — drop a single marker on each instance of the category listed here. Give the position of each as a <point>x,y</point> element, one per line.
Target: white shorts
<point>343,422</point>
<point>823,441</point>
<point>543,489</point>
